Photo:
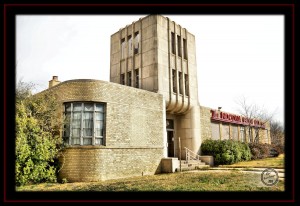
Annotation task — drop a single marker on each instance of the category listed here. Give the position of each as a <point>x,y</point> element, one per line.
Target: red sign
<point>235,119</point>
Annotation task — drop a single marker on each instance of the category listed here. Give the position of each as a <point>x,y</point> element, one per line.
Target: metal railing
<point>190,155</point>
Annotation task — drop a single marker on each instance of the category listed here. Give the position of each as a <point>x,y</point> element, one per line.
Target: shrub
<point>246,152</point>
<point>35,150</point>
<point>37,142</point>
<point>226,151</point>
<point>279,148</point>
<point>259,150</point>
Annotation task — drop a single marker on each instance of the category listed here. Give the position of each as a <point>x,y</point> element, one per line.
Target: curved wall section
<point>133,135</point>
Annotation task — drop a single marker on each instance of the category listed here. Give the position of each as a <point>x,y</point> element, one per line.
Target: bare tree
<point>277,133</point>
<point>24,90</point>
<point>253,111</point>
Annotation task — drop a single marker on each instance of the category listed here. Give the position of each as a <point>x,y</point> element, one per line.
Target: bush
<point>279,148</point>
<point>260,151</point>
<point>226,151</point>
<point>37,142</point>
<point>35,150</point>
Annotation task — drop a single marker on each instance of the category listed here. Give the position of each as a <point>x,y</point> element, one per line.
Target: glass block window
<point>84,123</point>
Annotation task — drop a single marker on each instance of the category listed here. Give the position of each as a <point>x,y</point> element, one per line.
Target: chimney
<point>54,81</point>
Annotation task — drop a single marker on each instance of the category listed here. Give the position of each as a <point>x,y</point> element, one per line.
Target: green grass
<point>274,162</point>
<point>185,181</point>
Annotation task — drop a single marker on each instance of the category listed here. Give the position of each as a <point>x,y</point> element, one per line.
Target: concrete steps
<point>191,165</point>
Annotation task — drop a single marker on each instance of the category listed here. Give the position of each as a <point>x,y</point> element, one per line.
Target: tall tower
<point>158,55</point>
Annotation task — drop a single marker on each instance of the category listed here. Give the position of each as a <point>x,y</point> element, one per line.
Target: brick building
<point>128,126</point>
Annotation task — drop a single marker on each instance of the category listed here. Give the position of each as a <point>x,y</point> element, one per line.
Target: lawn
<point>198,180</point>
<point>274,162</point>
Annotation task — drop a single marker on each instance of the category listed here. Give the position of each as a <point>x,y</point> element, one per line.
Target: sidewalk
<point>245,169</point>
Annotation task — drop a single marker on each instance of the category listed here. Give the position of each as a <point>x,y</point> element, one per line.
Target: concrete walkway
<point>242,169</point>
<point>256,170</point>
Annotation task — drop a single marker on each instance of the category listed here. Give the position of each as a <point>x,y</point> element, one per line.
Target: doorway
<point>170,134</point>
<point>171,138</point>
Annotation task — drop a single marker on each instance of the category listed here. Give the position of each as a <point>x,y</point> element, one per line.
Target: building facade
<point>158,55</point>
<point>125,127</point>
<point>219,125</point>
<point>111,131</point>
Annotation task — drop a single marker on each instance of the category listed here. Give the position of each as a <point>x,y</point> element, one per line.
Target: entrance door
<point>170,134</point>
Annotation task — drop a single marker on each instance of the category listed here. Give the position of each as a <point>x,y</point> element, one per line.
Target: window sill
<point>85,146</point>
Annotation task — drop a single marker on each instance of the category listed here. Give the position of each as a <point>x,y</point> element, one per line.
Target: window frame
<point>122,79</point>
<point>129,78</point>
<point>173,49</point>
<point>130,42</point>
<point>136,42</point>
<point>137,78</point>
<point>179,53</point>
<point>123,48</point>
<point>186,85</point>
<point>180,78</point>
<point>185,56</point>
<point>94,137</point>
<point>174,80</point>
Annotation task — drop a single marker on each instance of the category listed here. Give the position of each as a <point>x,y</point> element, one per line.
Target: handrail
<point>190,155</point>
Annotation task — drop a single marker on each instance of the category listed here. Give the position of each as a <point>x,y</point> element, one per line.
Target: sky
<point>236,55</point>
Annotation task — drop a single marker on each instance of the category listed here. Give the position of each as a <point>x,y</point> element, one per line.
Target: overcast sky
<point>236,54</point>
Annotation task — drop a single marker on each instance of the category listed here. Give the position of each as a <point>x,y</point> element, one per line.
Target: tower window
<point>179,45</point>
<point>128,78</point>
<point>184,49</point>
<point>174,81</point>
<point>122,79</point>
<point>129,45</point>
<point>180,82</point>
<point>186,84</point>
<point>173,42</point>
<point>136,42</point>
<point>123,45</point>
<point>137,78</point>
